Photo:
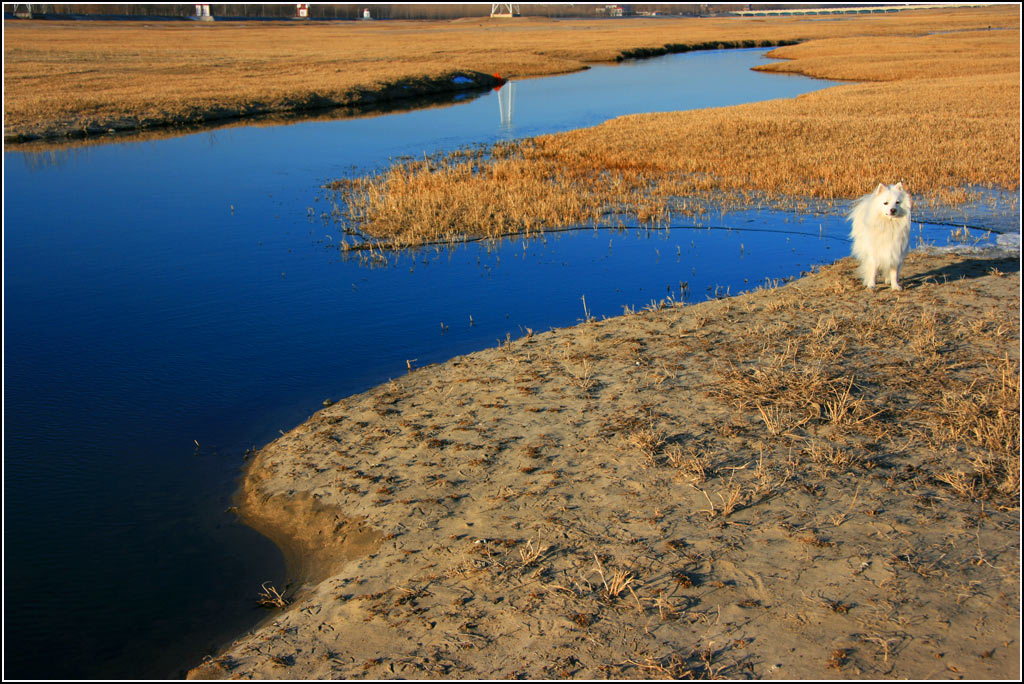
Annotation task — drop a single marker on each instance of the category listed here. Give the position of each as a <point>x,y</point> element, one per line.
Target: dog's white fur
<point>881,233</point>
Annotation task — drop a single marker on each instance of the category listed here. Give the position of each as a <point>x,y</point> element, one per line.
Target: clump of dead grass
<point>270,597</point>
<point>693,462</point>
<point>788,393</point>
<point>985,414</point>
<point>616,583</point>
<point>702,662</point>
<point>647,441</point>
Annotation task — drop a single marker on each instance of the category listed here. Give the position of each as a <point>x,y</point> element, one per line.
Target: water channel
<point>170,304</point>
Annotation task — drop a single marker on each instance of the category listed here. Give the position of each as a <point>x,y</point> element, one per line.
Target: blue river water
<point>170,304</point>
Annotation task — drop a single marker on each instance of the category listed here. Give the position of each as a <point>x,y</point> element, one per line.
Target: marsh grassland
<point>64,77</point>
<point>939,112</point>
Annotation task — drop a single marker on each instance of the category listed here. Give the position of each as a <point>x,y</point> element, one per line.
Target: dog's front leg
<point>894,278</point>
<point>870,268</point>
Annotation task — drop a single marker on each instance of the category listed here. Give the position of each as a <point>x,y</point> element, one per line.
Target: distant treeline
<point>355,11</point>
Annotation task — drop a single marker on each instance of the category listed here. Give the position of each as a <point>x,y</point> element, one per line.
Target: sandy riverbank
<point>811,481</point>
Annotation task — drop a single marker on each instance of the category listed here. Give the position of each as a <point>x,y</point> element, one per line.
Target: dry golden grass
<point>888,58</point>
<point>64,76</point>
<point>923,122</point>
<point>932,379</point>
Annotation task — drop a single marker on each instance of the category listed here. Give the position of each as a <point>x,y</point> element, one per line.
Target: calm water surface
<point>170,304</point>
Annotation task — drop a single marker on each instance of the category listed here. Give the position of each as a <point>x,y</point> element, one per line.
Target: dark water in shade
<point>170,304</point>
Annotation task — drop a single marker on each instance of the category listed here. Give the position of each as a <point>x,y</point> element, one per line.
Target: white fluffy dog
<point>881,233</point>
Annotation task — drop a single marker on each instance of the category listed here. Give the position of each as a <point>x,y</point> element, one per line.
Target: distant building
<point>616,10</point>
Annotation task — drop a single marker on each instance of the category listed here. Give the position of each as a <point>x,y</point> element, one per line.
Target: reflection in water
<point>506,99</point>
<point>48,156</point>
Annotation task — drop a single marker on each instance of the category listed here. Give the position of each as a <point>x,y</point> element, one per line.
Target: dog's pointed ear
<point>880,188</point>
<point>908,201</point>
